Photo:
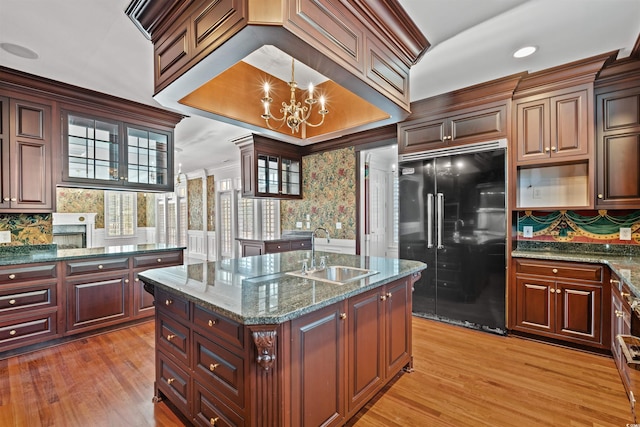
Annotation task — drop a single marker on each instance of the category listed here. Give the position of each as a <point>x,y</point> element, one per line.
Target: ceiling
<point>93,44</point>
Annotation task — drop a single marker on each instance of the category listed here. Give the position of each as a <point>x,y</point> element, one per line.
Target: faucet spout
<point>313,245</point>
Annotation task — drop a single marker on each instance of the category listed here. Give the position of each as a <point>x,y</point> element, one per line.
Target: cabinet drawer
<point>275,247</point>
<point>173,337</point>
<point>28,273</point>
<point>173,381</point>
<point>557,269</point>
<point>28,329</point>
<point>208,410</point>
<point>297,245</point>
<point>100,265</point>
<point>27,297</point>
<point>159,259</point>
<point>172,304</point>
<point>221,370</point>
<point>215,326</point>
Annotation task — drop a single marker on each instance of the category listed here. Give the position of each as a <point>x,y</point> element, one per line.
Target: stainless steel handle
<point>429,220</point>
<point>440,220</point>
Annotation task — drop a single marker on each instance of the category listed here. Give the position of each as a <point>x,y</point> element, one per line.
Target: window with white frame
<point>120,214</point>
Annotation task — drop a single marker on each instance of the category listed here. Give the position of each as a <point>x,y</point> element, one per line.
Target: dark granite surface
<point>624,260</point>
<point>257,290</point>
<point>13,255</point>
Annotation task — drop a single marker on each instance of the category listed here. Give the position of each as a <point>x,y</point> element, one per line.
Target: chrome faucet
<point>313,246</point>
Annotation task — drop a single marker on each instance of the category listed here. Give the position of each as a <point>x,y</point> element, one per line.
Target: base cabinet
<point>317,369</point>
<point>562,300</point>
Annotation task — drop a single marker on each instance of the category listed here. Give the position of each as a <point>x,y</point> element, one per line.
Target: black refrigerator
<point>453,218</point>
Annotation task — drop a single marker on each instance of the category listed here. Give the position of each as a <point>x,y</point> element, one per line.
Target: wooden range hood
<point>364,47</point>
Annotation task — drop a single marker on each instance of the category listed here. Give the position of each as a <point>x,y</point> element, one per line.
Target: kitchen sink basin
<point>335,274</point>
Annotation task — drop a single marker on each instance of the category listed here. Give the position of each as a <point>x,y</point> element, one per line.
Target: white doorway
<point>379,202</point>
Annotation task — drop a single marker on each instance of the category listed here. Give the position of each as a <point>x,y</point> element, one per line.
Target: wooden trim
<point>383,133</point>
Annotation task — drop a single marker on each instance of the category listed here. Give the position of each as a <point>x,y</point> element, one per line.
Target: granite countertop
<point>13,255</point>
<point>257,290</point>
<point>624,260</point>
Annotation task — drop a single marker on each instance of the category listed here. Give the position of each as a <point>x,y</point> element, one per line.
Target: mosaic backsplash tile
<point>194,195</point>
<point>599,227</point>
<point>27,229</point>
<point>211,203</point>
<point>329,194</point>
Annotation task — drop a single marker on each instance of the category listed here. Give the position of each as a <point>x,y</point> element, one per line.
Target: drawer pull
<point>170,380</point>
<point>343,316</point>
<point>213,366</point>
<point>100,267</point>
<point>12,301</point>
<point>213,421</point>
<point>619,313</point>
<point>126,280</point>
<point>12,276</point>
<point>212,322</point>
<point>382,298</point>
<point>555,271</point>
<point>159,260</point>
<point>552,290</point>
<point>170,337</point>
<point>278,246</point>
<point>625,294</point>
<point>614,281</point>
<point>12,332</point>
<point>168,302</point>
<point>137,279</point>
<point>558,291</point>
<point>389,294</point>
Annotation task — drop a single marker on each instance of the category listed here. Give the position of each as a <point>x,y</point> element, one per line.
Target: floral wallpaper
<point>71,200</point>
<point>211,203</point>
<point>329,194</point>
<point>194,196</point>
<point>146,210</point>
<point>581,226</point>
<point>27,229</point>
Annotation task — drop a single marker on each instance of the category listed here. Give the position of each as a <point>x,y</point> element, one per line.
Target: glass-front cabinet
<point>107,153</point>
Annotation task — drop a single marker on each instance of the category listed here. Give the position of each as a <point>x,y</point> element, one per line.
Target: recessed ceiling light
<point>524,51</point>
<point>18,50</point>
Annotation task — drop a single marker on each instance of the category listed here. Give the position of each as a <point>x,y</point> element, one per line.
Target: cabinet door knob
<point>137,279</point>
<point>13,199</point>
<point>343,316</point>
<point>552,290</point>
<point>100,267</point>
<point>555,271</point>
<point>389,294</point>
<point>600,196</point>
<point>168,302</point>
<point>6,199</point>
<point>212,322</point>
<point>614,281</point>
<point>170,380</point>
<point>619,313</point>
<point>12,332</point>
<point>170,337</point>
<point>213,366</point>
<point>558,291</point>
<point>547,149</point>
<point>625,294</point>
<point>126,280</point>
<point>554,149</point>
<point>12,276</point>
<point>383,297</point>
<point>12,301</point>
<point>159,260</point>
<point>213,421</point>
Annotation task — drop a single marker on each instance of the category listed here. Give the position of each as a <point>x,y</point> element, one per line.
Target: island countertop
<point>256,290</point>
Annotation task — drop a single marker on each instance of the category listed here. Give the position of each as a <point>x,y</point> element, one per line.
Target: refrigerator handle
<point>429,220</point>
<point>439,220</point>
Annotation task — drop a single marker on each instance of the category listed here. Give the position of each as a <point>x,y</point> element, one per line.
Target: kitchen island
<point>244,342</point>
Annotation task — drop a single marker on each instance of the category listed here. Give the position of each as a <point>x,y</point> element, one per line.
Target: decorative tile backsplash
<point>580,226</point>
<point>27,229</point>
<point>80,200</point>
<point>194,195</point>
<point>329,191</point>
<point>211,203</point>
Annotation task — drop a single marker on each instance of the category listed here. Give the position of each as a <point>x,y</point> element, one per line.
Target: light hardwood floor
<point>461,378</point>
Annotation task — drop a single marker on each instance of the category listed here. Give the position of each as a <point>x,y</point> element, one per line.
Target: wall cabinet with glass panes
<point>105,153</point>
<point>270,168</point>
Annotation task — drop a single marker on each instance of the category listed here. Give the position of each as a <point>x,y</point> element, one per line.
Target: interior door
<point>377,212</point>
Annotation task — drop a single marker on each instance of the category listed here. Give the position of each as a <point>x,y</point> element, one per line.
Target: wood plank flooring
<point>461,378</point>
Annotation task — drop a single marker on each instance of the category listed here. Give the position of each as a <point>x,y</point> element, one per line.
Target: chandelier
<point>294,113</point>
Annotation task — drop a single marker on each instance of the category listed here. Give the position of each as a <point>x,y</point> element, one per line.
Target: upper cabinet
<point>26,150</point>
<point>108,153</point>
<point>476,114</point>
<point>618,141</point>
<point>270,168</point>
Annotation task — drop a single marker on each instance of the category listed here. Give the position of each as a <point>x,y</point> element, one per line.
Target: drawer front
<point>16,274</point>
<point>173,381</point>
<point>173,337</point>
<point>576,271</point>
<point>28,329</point>
<point>100,265</point>
<point>209,411</point>
<point>158,259</point>
<point>275,247</point>
<point>27,298</point>
<point>214,326</point>
<point>220,369</point>
<point>297,245</point>
<point>176,306</point>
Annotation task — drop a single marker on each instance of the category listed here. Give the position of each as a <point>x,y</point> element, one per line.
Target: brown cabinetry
<point>561,300</point>
<point>251,247</point>
<point>270,168</point>
<point>618,148</point>
<point>26,150</point>
<point>621,315</point>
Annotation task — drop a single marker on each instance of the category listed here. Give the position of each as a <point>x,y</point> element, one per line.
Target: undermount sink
<point>335,274</point>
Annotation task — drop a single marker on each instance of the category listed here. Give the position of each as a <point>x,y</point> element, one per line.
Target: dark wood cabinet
<point>621,315</point>
<point>26,150</point>
<point>618,148</point>
<point>251,247</point>
<point>554,127</point>
<point>561,300</point>
<point>270,168</point>
<point>143,302</point>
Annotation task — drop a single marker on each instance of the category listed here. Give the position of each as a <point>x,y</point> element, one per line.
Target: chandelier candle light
<point>293,114</point>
